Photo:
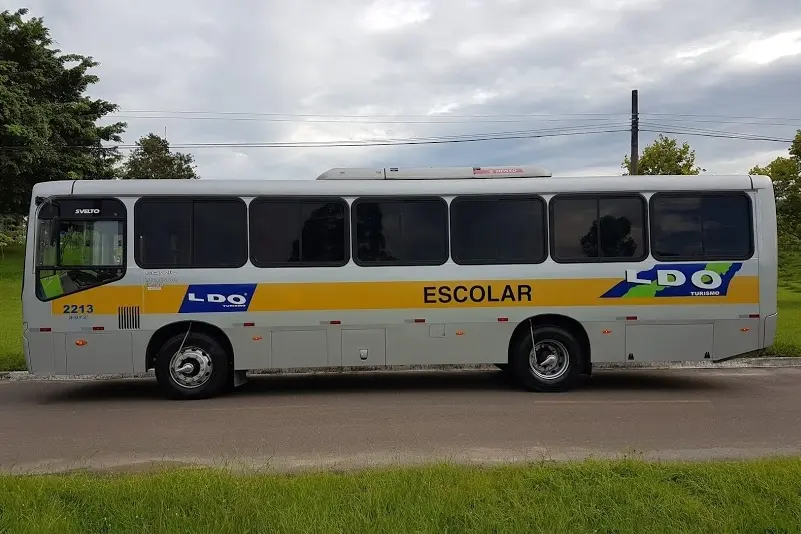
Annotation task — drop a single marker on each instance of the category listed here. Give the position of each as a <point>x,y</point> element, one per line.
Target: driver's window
<point>79,246</point>
<point>96,243</point>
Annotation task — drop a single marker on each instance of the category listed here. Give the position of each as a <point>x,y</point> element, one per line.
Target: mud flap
<point>240,377</point>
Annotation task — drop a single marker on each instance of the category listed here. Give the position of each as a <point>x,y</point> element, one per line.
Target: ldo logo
<point>217,298</point>
<point>233,300</point>
<point>705,282</point>
<point>676,280</point>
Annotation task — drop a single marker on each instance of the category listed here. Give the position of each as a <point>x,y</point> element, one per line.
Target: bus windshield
<point>77,254</point>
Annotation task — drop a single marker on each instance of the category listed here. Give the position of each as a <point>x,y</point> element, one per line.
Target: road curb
<point>759,362</point>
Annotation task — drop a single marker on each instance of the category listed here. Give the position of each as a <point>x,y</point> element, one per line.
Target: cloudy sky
<point>365,71</point>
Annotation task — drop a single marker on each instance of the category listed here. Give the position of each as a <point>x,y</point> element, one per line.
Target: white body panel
<point>423,334</point>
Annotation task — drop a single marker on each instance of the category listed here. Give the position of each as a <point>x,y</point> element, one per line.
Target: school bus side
<point>204,283</point>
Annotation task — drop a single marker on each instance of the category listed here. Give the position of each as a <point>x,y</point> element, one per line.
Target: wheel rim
<point>549,359</point>
<point>191,368</point>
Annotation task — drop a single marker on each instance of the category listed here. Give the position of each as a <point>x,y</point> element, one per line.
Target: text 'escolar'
<point>476,293</point>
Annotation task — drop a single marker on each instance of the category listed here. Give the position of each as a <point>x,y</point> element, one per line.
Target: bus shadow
<point>611,382</point>
<point>654,380</point>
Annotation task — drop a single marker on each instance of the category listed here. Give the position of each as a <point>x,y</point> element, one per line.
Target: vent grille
<point>128,317</point>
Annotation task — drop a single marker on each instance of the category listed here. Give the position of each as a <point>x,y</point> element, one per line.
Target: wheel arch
<point>563,321</point>
<point>167,331</point>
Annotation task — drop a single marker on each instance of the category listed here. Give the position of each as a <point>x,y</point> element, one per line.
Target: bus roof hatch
<point>433,173</point>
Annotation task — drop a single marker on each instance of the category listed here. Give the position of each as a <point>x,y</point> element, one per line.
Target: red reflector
<point>335,321</point>
<point>503,319</point>
<point>98,328</point>
<point>250,324</point>
<point>45,329</point>
<point>631,318</point>
<point>419,320</point>
<point>753,316</point>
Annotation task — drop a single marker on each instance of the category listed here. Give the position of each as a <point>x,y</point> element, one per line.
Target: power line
<point>251,115</point>
<point>694,129</point>
<point>480,135</point>
<point>523,134</point>
<point>748,117</point>
<point>365,120</point>
<point>365,116</point>
<point>602,123</point>
<point>701,130</point>
<point>717,121</point>
<point>372,143</point>
<point>701,133</point>
<point>577,128</point>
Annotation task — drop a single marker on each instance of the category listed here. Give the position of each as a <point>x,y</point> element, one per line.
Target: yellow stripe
<point>401,295</point>
<point>406,295</point>
<point>165,300</point>
<point>104,300</point>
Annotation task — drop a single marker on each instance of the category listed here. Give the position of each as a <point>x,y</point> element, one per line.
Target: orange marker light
<point>80,342</point>
<point>460,332</point>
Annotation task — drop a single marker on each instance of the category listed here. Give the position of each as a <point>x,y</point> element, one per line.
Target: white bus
<point>543,276</point>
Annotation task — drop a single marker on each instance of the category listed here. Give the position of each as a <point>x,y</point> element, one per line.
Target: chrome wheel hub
<point>549,359</point>
<point>191,368</point>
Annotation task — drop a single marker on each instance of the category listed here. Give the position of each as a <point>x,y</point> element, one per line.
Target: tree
<point>795,148</point>
<point>664,156</point>
<point>785,172</point>
<point>48,127</point>
<point>152,159</point>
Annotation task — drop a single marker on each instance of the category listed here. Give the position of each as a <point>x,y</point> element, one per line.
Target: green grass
<point>788,338</point>
<point>788,334</point>
<point>592,496</point>
<point>11,266</point>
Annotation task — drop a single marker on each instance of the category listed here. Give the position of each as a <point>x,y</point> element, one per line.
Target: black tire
<point>555,336</point>
<point>200,347</point>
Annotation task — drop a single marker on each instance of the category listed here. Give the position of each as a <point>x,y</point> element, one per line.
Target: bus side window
<point>400,231</point>
<point>701,226</point>
<point>191,233</point>
<point>598,228</point>
<point>308,232</point>
<point>497,230</point>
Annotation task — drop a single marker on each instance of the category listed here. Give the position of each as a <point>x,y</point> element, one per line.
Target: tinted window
<point>598,228</point>
<point>187,233</point>
<point>298,233</point>
<point>163,233</point>
<point>701,226</point>
<point>219,233</point>
<point>401,232</point>
<point>497,230</point>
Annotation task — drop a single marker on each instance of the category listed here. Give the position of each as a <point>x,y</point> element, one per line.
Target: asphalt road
<point>292,422</point>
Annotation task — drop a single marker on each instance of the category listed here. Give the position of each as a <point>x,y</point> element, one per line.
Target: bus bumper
<point>26,347</point>
<point>769,329</point>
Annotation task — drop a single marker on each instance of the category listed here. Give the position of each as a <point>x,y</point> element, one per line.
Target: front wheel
<point>200,368</point>
<point>546,358</point>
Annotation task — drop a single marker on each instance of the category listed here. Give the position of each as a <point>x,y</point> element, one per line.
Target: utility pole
<point>635,133</point>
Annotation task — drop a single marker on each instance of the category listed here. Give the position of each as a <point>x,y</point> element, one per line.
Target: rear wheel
<point>546,358</point>
<point>200,368</point>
